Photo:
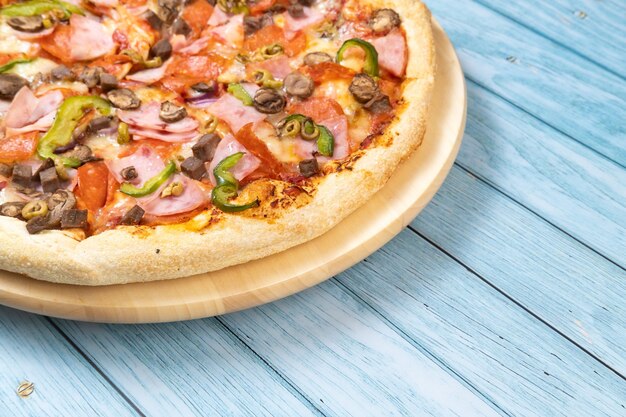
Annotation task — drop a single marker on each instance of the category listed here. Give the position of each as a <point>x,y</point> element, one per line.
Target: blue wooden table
<point>506,296</point>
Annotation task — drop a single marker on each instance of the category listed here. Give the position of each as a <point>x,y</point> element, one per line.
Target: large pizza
<point>143,140</point>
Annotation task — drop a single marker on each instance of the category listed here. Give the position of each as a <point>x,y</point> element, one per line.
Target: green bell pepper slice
<point>370,67</point>
<point>325,141</point>
<point>66,120</point>
<point>9,65</point>
<point>39,7</point>
<point>325,138</point>
<point>240,93</point>
<point>152,184</point>
<point>227,186</point>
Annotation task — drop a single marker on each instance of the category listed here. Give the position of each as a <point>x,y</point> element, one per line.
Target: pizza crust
<point>136,254</point>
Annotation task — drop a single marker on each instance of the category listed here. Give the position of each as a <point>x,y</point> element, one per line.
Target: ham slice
<point>178,42</point>
<point>105,3</point>
<point>151,75</point>
<point>218,17</point>
<point>229,146</point>
<point>231,32</point>
<point>139,134</point>
<point>338,126</point>
<point>279,67</point>
<point>147,117</point>
<point>292,24</point>
<point>196,46</point>
<point>392,52</point>
<point>193,196</point>
<point>41,125</point>
<point>146,161</point>
<point>89,39</point>
<point>27,112</point>
<point>233,112</point>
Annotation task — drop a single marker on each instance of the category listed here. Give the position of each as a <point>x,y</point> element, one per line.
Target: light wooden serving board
<point>411,187</point>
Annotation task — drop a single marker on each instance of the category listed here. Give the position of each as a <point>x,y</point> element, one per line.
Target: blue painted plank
<point>65,384</point>
<point>522,365</point>
<point>593,28</point>
<point>194,368</point>
<point>550,82</point>
<point>570,287</point>
<point>560,180</point>
<point>348,361</point>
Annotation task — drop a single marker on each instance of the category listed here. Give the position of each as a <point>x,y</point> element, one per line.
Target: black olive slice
<point>10,84</point>
<point>269,101</point>
<point>29,24</point>
<point>314,58</point>
<point>124,99</point>
<point>363,88</point>
<point>298,85</point>
<point>171,113</point>
<point>383,20</point>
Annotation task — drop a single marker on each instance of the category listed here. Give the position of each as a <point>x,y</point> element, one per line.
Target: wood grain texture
<point>519,363</point>
<point>196,368</point>
<point>559,179</point>
<point>564,283</point>
<point>593,28</point>
<point>348,361</point>
<point>65,384</point>
<point>536,74</point>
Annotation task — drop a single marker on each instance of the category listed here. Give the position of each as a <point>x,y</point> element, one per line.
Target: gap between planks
<point>539,119</point>
<point>530,210</point>
<point>515,301</point>
<point>555,41</point>
<point>93,365</point>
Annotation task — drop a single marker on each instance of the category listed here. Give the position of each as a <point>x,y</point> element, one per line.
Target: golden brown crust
<point>135,254</point>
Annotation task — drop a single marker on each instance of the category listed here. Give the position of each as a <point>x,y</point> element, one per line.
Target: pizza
<point>144,140</point>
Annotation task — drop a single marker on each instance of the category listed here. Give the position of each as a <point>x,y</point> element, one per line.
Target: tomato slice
<point>317,108</point>
<point>164,149</point>
<point>58,43</point>
<point>18,148</point>
<point>197,14</point>
<point>92,184</point>
<point>327,71</point>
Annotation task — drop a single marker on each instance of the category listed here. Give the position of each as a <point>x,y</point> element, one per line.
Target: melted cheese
<point>10,44</point>
<point>338,90</point>
<point>30,69</point>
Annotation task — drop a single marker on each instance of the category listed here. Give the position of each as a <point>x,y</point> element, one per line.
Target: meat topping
<point>204,149</point>
<point>74,219</point>
<point>308,167</point>
<point>132,216</point>
<point>194,168</point>
<point>22,176</point>
<point>49,180</point>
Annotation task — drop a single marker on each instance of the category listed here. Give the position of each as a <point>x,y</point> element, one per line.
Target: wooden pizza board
<point>411,187</point>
